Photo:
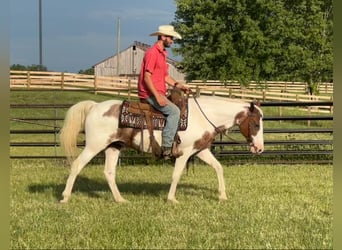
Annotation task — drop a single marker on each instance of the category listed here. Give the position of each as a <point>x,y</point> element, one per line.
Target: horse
<point>207,117</point>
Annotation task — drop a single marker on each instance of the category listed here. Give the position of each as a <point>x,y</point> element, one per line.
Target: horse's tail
<point>74,124</point>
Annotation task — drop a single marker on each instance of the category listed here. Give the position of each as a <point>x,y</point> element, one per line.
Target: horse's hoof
<point>173,201</point>
<point>63,201</point>
<point>223,199</point>
<point>122,200</point>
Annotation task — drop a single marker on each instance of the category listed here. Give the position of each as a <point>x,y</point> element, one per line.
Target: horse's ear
<point>253,104</point>
<point>251,107</point>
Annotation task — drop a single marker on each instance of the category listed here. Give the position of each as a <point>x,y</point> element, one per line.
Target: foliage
<point>89,71</point>
<point>269,207</point>
<point>256,40</point>
<point>32,67</point>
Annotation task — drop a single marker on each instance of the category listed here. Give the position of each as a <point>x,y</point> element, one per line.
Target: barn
<point>129,63</point>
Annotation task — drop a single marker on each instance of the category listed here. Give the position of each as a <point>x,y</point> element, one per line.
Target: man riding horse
<point>152,88</point>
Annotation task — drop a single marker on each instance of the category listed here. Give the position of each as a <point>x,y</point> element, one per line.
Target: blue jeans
<point>172,114</point>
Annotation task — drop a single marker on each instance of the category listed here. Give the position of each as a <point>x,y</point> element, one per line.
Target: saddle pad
<point>132,116</point>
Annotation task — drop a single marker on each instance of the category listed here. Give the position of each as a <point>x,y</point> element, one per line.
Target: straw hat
<point>167,30</point>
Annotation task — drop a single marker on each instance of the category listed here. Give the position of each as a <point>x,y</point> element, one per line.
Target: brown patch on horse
<point>204,142</point>
<point>241,120</point>
<point>254,122</point>
<point>125,135</point>
<point>240,117</point>
<point>114,111</point>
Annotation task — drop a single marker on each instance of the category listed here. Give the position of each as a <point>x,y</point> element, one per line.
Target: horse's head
<point>251,127</point>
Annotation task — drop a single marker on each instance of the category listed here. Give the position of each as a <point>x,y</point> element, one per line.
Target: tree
<point>255,40</point>
<point>310,45</point>
<point>32,67</point>
<point>89,71</point>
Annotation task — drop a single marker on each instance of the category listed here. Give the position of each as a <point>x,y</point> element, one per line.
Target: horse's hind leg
<point>112,155</point>
<point>210,159</point>
<point>76,168</point>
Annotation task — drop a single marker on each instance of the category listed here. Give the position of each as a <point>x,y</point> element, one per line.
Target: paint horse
<point>207,117</point>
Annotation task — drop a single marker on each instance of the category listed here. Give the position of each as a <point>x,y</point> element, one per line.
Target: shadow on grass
<point>92,187</point>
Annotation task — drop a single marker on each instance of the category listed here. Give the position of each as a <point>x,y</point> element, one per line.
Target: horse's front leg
<point>177,172</point>
<point>206,156</point>
<point>112,155</point>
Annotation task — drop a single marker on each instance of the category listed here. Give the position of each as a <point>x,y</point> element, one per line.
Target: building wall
<point>129,64</point>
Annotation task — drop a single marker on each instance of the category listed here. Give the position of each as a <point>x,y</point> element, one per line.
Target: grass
<point>268,207</point>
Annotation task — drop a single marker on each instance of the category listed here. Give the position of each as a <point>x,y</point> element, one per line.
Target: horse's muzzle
<point>256,149</point>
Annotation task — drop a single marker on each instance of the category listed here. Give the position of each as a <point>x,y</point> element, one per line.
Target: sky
<point>78,34</point>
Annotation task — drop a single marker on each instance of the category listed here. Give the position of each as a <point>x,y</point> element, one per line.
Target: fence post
<point>285,87</point>
<point>198,91</point>
<point>95,85</point>
<point>326,87</point>
<point>129,89</point>
<point>28,79</point>
<point>62,80</point>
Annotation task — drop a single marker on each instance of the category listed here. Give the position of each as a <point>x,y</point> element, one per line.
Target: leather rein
<point>221,130</point>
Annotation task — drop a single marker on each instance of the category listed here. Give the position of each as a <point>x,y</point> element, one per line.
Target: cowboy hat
<point>166,30</point>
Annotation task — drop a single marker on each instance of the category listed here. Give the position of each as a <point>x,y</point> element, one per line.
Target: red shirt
<point>154,62</point>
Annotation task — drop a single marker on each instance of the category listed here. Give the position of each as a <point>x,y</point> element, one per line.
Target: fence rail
<point>276,94</point>
<point>62,79</point>
<point>266,91</point>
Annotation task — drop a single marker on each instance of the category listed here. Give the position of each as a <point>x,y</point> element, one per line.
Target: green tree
<point>32,67</point>
<point>255,39</point>
<point>89,71</point>
<point>17,67</point>
<point>308,53</point>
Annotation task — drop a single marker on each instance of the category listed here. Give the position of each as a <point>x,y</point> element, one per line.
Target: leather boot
<point>167,153</point>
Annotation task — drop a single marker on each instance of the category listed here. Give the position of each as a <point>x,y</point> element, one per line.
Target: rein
<point>217,129</point>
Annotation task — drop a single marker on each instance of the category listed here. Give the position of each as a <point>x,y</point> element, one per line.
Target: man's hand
<point>161,100</point>
<point>185,88</point>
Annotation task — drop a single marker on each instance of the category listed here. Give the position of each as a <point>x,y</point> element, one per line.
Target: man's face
<point>167,41</point>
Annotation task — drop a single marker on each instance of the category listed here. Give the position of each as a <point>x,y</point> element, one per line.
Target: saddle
<point>140,115</point>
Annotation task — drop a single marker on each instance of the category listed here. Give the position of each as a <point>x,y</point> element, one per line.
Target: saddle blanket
<point>132,116</point>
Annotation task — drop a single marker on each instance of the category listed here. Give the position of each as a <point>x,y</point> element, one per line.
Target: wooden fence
<point>267,91</point>
<point>287,145</point>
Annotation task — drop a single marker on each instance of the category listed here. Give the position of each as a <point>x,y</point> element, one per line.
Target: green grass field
<point>268,207</point>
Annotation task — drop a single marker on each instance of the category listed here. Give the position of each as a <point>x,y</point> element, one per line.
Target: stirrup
<point>167,153</point>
